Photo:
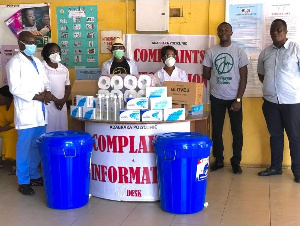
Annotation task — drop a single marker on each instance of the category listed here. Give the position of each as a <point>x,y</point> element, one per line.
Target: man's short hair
<point>164,50</point>
<point>223,23</point>
<point>282,21</point>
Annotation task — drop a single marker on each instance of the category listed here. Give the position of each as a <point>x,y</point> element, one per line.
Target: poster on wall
<point>6,53</point>
<point>106,39</point>
<point>33,19</point>
<point>251,23</point>
<point>145,50</point>
<point>78,35</point>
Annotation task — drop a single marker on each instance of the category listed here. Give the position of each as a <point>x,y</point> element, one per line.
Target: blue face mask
<point>29,49</point>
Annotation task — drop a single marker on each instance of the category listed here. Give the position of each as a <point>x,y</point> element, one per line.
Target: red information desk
<point>123,166</point>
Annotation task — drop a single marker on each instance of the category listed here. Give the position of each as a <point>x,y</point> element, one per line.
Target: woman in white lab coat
<point>169,72</point>
<point>60,87</point>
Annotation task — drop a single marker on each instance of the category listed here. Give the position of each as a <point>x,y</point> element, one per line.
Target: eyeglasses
<point>168,56</point>
<point>28,42</point>
<point>115,47</point>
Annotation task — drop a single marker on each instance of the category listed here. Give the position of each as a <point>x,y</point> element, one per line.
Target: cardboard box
<point>185,92</point>
<point>84,88</point>
<point>75,124</point>
<point>151,115</point>
<point>174,114</point>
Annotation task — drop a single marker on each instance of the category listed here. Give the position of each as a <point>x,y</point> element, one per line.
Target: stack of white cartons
<point>85,107</point>
<point>160,101</point>
<point>156,106</point>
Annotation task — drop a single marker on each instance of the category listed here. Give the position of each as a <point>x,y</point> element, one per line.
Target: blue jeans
<point>280,117</point>
<point>218,111</point>
<point>27,154</point>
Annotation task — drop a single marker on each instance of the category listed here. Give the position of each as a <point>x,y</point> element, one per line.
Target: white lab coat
<point>24,82</point>
<point>177,75</point>
<point>105,70</point>
<point>58,78</point>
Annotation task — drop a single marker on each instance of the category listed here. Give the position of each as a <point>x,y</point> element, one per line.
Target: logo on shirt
<point>224,63</point>
<point>119,70</point>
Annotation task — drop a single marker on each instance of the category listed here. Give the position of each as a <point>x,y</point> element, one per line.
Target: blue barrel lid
<point>65,138</point>
<point>182,140</point>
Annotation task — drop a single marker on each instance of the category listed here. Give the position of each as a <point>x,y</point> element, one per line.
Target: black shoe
<point>36,182</point>
<point>269,172</point>
<point>297,178</point>
<point>25,189</point>
<point>236,169</point>
<point>216,166</point>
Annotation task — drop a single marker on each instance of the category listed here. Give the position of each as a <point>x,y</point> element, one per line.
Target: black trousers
<point>218,111</point>
<point>280,117</point>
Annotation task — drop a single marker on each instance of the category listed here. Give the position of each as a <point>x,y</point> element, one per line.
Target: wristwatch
<point>239,100</point>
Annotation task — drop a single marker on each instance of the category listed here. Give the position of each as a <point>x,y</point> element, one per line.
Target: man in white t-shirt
<point>225,65</point>
<point>169,72</point>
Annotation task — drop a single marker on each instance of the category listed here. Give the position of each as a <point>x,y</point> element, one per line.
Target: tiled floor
<point>233,200</point>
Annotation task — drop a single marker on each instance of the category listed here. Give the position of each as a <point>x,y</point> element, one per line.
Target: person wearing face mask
<point>170,72</point>
<point>60,87</point>
<point>225,66</point>
<point>119,64</point>
<point>30,87</point>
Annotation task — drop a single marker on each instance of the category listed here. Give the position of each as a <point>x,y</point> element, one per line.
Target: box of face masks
<point>152,92</point>
<point>185,92</point>
<point>88,113</point>
<point>196,109</point>
<point>85,101</point>
<point>83,88</point>
<point>76,111</point>
<point>137,103</point>
<point>160,103</point>
<point>130,115</point>
<point>152,115</point>
<point>174,114</point>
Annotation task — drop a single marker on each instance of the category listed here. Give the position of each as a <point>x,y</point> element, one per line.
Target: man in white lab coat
<point>119,64</point>
<point>30,87</point>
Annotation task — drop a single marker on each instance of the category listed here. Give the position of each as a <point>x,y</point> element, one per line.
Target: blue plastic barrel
<point>66,168</point>
<point>182,165</point>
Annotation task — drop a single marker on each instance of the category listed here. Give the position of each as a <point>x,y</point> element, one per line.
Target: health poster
<point>78,35</point>
<point>6,53</point>
<point>33,19</point>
